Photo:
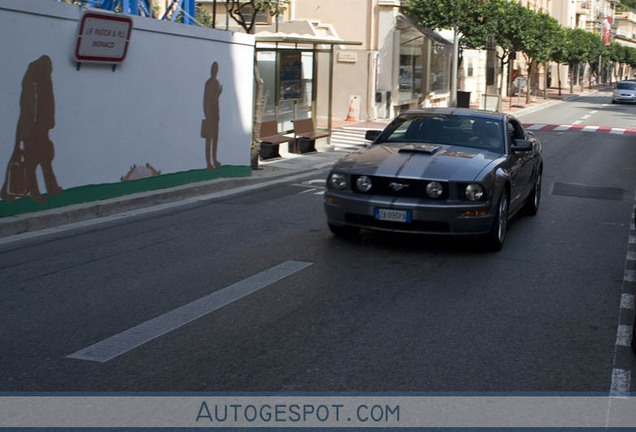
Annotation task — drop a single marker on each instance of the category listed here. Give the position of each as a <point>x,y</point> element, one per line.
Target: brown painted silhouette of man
<point>33,146</point>
<point>210,125</point>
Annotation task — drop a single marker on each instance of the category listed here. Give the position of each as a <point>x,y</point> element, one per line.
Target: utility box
<point>463,99</point>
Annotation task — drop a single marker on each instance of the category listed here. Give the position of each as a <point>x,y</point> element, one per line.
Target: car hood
<point>434,162</point>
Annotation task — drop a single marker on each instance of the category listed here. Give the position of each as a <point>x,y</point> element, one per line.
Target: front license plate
<point>392,215</point>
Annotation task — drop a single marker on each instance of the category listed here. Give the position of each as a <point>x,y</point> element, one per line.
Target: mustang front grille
<point>397,187</point>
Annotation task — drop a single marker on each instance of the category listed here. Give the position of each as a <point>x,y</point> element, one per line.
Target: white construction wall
<point>148,110</point>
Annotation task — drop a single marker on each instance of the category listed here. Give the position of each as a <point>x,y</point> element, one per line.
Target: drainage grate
<point>584,191</point>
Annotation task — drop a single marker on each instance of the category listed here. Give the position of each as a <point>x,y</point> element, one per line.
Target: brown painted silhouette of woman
<point>210,125</point>
<point>33,146</point>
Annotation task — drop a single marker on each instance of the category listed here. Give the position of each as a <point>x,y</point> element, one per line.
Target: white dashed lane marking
<point>627,301</point>
<point>134,337</point>
<point>621,375</point>
<point>620,382</point>
<point>624,335</point>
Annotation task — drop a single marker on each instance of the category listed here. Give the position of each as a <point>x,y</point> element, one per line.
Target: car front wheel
<point>532,204</point>
<point>499,227</point>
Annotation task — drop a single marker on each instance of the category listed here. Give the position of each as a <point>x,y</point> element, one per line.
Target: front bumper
<point>427,216</point>
<point>629,98</point>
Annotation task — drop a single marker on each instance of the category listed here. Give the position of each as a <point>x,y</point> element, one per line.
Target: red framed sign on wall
<point>103,38</point>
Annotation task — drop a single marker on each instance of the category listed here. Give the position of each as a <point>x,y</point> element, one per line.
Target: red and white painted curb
<point>541,127</point>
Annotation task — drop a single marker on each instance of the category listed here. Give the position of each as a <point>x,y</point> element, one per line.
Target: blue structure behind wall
<point>140,7</point>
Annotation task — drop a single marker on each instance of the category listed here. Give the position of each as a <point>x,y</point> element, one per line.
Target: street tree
<point>559,51</point>
<point>244,12</point>
<point>619,56</point>
<point>463,15</point>
<point>538,38</point>
<point>506,22</point>
<point>577,50</point>
<point>598,51</point>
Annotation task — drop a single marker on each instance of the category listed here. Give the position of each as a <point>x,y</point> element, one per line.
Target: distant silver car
<point>448,171</point>
<point>625,91</point>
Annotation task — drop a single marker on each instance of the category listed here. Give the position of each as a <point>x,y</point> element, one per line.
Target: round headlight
<point>474,192</point>
<point>338,181</point>
<point>364,184</point>
<point>434,189</point>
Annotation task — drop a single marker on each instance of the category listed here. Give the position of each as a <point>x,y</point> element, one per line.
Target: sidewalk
<point>269,173</point>
<point>517,105</point>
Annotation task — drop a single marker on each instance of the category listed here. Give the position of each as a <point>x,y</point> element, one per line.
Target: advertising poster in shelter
<point>290,75</point>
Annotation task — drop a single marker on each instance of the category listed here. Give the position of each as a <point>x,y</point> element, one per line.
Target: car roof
<point>469,112</point>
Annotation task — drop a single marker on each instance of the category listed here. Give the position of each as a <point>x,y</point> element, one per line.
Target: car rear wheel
<point>532,204</point>
<point>500,226</point>
<point>344,231</point>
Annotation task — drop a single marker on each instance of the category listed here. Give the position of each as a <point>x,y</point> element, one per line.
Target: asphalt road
<point>304,311</point>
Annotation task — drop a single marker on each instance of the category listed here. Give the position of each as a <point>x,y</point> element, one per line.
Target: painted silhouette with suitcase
<point>33,147</point>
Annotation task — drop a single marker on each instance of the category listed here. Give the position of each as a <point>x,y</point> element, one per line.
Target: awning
<point>404,22</point>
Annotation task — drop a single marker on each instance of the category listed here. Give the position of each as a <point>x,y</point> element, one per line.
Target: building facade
<point>399,65</point>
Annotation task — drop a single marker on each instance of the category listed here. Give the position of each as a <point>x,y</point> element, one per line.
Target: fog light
<point>473,213</point>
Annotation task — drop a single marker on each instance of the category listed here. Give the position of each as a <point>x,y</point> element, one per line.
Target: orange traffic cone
<point>351,115</point>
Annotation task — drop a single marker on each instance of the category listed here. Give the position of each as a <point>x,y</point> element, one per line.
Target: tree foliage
<point>627,5</point>
<point>516,28</point>
<point>244,12</point>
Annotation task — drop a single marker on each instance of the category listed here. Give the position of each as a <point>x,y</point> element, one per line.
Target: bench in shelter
<point>305,136</point>
<point>271,140</point>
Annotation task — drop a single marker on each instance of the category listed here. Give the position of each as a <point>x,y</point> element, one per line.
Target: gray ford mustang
<point>451,171</point>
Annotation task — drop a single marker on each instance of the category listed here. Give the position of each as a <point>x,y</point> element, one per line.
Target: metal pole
<point>453,89</point>
<point>602,30</point>
<point>330,101</point>
<point>214,14</point>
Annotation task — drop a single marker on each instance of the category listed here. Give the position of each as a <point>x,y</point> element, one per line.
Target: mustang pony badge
<point>397,186</point>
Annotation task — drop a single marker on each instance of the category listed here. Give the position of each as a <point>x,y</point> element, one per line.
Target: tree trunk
<point>529,81</point>
<point>559,76</point>
<point>258,117</point>
<point>501,76</point>
<point>545,81</point>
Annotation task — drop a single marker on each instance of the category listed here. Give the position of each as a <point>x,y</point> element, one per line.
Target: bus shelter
<point>297,73</point>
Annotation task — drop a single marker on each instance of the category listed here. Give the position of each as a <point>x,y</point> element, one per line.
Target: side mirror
<point>520,145</point>
<point>372,135</point>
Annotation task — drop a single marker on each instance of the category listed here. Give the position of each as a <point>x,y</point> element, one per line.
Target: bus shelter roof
<point>263,38</point>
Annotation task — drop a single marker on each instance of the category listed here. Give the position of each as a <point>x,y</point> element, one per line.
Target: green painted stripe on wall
<point>83,194</point>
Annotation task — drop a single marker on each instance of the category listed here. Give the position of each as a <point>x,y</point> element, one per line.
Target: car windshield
<point>626,86</point>
<point>457,130</point>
